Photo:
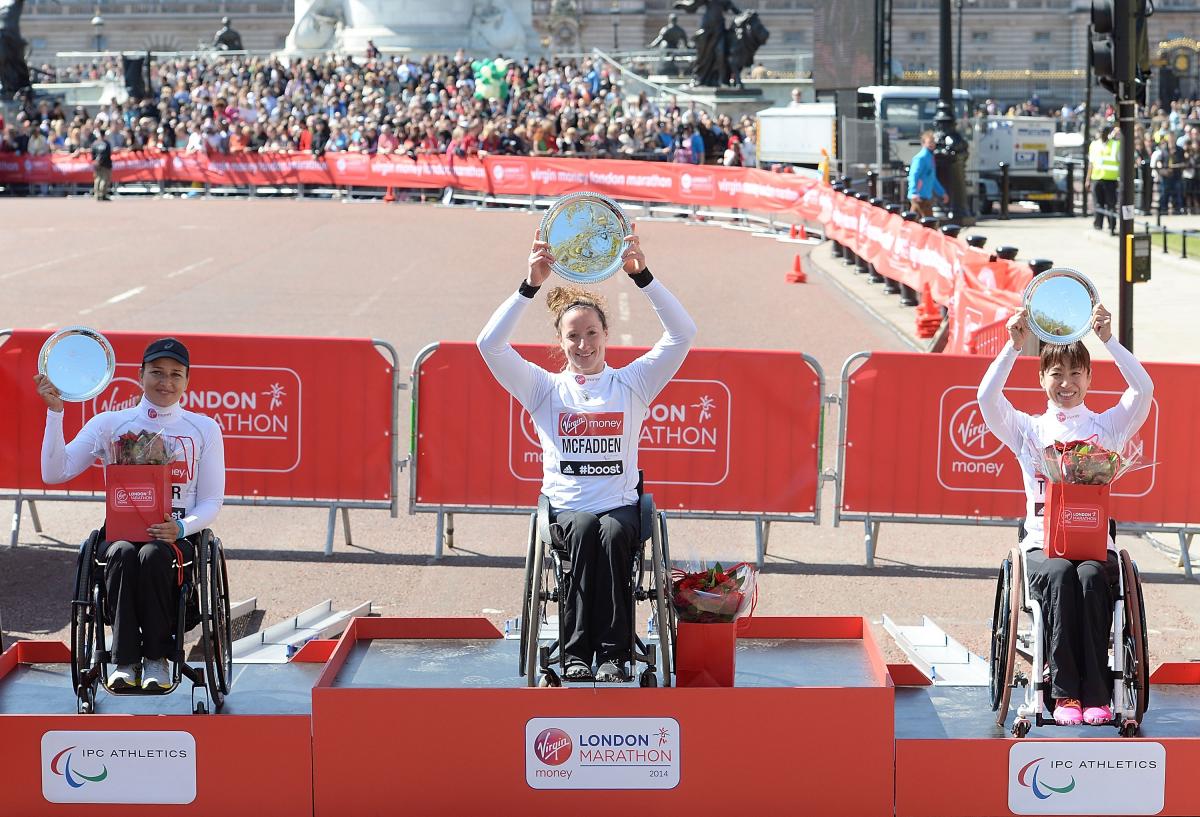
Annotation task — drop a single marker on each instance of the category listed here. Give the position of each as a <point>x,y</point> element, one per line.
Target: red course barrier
<point>735,431</point>
<point>290,431</point>
<point>915,442</point>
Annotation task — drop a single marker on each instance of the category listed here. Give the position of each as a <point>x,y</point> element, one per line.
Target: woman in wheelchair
<point>1076,597</point>
<point>141,583</point>
<point>588,418</point>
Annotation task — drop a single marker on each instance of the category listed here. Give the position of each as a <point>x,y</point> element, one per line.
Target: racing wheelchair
<point>1017,627</point>
<point>547,572</point>
<point>203,601</point>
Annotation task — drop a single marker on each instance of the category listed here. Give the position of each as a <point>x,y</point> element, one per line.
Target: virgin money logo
<point>510,173</point>
<point>122,393</point>
<point>142,496</point>
<point>553,746</point>
<point>969,433</point>
<point>341,165</point>
<point>1082,518</point>
<point>581,424</point>
<point>700,186</point>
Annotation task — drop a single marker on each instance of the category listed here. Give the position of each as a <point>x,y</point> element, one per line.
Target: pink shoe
<point>1067,712</point>
<point>1096,715</point>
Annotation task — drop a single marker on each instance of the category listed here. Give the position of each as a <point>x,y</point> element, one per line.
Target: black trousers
<point>143,598</point>
<point>1106,199</point>
<point>1077,605</point>
<point>596,611</point>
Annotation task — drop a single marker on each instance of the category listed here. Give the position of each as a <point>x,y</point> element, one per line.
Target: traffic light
<point>1103,52</point>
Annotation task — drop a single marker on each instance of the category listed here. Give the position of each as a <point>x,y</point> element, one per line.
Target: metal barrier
<point>23,495</point>
<point>445,510</point>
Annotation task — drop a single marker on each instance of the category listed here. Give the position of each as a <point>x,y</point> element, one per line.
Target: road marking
<point>623,306</point>
<point>188,268</point>
<point>129,293</point>
<point>42,265</point>
<point>47,325</point>
<point>116,299</point>
<point>626,339</point>
<point>366,304</point>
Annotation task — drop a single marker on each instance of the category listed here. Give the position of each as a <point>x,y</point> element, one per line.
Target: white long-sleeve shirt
<point>1018,430</point>
<point>197,475</point>
<point>589,425</point>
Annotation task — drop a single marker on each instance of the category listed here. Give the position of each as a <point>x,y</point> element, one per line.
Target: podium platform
<point>429,717</point>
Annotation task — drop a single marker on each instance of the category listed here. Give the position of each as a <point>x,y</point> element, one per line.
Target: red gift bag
<point>704,654</point>
<point>136,497</point>
<point>1076,521</point>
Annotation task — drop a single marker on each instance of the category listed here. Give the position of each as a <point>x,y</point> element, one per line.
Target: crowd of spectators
<point>386,105</point>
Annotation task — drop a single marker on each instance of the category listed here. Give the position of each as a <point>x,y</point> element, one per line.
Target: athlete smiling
<point>588,418</point>
<point>1076,596</point>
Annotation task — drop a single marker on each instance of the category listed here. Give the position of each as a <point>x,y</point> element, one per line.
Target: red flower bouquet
<point>137,483</point>
<point>716,595</point>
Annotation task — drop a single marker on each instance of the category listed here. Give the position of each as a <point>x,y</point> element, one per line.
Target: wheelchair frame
<point>536,661</point>
<point>207,580</point>
<point>1128,661</point>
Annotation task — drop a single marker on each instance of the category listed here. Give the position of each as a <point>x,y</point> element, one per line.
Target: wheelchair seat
<point>203,601</point>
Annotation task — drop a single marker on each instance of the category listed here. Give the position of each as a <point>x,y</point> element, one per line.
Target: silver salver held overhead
<point>1059,304</point>
<point>586,233</point>
<point>79,362</point>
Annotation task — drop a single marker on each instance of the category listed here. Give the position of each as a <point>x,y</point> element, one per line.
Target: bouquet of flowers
<point>1080,462</point>
<point>139,448</point>
<point>714,594</point>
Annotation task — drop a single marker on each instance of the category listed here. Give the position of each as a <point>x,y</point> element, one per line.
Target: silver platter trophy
<point>1059,304</point>
<point>79,362</point>
<point>586,233</point>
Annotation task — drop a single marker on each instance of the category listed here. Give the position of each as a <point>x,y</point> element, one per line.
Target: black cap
<point>167,347</point>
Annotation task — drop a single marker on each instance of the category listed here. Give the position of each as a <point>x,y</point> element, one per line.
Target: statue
<point>14,73</point>
<point>495,28</point>
<point>749,34</point>
<point>317,25</point>
<point>227,39</point>
<point>712,40</point>
<point>563,25</point>
<point>671,35</point>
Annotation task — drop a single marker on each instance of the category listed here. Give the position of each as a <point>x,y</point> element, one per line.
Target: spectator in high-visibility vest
<point>1104,155</point>
<point>923,184</point>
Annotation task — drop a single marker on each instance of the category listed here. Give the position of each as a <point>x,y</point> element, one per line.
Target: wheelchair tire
<point>83,614</point>
<point>533,615</point>
<point>662,590</point>
<point>222,625</point>
<point>1136,672</point>
<point>208,639</point>
<point>674,621</point>
<point>525,594</point>
<point>1003,652</point>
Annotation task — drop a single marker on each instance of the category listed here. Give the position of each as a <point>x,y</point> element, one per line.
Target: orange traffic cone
<point>803,233</point>
<point>793,233</point>
<point>389,196</point>
<point>929,317</point>
<point>797,275</point>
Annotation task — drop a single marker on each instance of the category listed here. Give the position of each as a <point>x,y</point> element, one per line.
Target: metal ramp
<point>943,660</point>
<point>277,643</point>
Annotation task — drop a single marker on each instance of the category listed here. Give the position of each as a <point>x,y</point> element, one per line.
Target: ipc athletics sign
<point>119,767</point>
<point>736,430</point>
<point>602,753</point>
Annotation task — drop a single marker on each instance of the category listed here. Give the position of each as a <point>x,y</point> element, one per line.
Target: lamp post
<point>98,30</point>
<point>616,21</point>
<point>951,152</point>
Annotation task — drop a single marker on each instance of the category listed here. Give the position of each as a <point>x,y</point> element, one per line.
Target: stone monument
<point>482,27</point>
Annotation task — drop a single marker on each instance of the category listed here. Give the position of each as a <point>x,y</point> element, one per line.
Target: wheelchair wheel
<point>1005,615</point>
<point>526,593</point>
<point>222,624</point>
<point>674,622</point>
<point>1136,672</point>
<point>209,641</point>
<point>533,613</point>
<point>662,589</point>
<point>83,613</point>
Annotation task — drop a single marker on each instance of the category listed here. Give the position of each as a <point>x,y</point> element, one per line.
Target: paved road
<point>413,274</point>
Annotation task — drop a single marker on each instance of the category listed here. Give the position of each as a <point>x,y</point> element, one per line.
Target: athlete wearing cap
<point>588,418</point>
<point>142,602</point>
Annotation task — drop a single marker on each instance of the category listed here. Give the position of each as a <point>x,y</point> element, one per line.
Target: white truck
<point>1026,145</point>
<point>796,135</point>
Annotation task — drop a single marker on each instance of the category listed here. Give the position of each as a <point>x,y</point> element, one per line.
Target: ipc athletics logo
<point>75,779</point>
<point>1041,789</point>
<point>553,746</point>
